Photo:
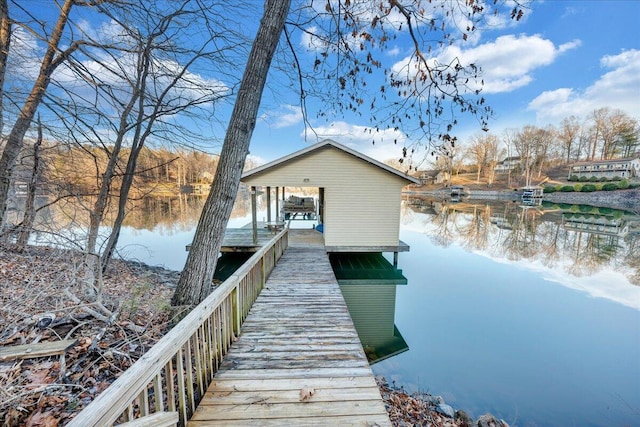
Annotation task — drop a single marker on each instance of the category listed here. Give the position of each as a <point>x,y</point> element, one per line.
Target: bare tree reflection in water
<point>581,240</point>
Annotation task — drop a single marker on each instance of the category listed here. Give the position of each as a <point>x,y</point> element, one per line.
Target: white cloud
<point>361,139</point>
<point>24,57</point>
<point>507,62</point>
<point>617,88</point>
<point>288,115</point>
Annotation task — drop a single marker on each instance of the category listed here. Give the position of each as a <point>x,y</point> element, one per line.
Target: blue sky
<point>564,58</point>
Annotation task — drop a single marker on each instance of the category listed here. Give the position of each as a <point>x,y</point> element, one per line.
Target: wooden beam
<point>161,419</point>
<point>30,351</point>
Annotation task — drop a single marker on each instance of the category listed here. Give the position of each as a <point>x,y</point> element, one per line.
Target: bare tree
<point>345,61</point>
<point>5,43</point>
<point>196,278</point>
<point>484,150</point>
<point>525,143</point>
<point>52,59</point>
<point>568,135</point>
<point>29,208</point>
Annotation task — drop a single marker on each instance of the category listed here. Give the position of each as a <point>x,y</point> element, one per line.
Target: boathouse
<point>359,197</point>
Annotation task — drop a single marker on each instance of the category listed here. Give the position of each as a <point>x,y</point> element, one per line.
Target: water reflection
<point>576,245</point>
<point>368,283</point>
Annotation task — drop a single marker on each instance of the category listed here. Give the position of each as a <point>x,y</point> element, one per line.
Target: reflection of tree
<point>508,230</point>
<point>550,249</point>
<point>476,231</point>
<point>65,220</point>
<point>443,234</point>
<point>521,242</point>
<point>631,259</point>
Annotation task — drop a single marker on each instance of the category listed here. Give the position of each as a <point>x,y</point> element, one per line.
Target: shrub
<point>594,179</point>
<point>573,178</point>
<point>616,178</point>
<point>605,211</point>
<point>577,187</point>
<point>583,179</point>
<point>624,184</point>
<point>550,189</point>
<point>610,186</point>
<point>586,208</point>
<point>604,179</point>
<point>588,188</point>
<point>567,188</point>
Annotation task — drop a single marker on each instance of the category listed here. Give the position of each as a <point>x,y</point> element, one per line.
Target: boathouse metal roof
<point>328,143</point>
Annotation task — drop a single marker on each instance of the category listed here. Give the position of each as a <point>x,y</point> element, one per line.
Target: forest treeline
<point>72,170</point>
<point>603,134</point>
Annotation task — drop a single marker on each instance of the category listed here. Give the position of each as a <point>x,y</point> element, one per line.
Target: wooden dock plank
<point>291,383</point>
<point>298,335</point>
<point>342,421</point>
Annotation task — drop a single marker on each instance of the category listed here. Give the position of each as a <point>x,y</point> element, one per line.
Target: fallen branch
<point>131,326</point>
<point>94,345</point>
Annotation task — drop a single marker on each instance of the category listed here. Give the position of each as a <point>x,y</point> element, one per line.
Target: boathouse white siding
<point>361,196</point>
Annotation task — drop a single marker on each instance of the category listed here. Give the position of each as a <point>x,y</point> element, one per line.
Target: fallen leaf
<point>41,419</point>
<point>306,393</point>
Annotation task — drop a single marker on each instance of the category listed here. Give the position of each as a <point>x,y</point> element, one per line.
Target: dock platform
<point>298,360</point>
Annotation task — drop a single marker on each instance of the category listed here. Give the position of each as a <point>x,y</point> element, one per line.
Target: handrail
<point>175,373</point>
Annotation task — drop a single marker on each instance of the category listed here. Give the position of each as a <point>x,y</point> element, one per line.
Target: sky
<point>565,57</point>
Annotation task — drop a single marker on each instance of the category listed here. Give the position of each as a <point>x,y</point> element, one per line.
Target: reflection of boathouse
<point>532,195</point>
<point>596,224</point>
<point>368,283</point>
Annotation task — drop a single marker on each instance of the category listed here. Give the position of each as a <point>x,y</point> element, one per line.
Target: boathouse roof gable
<point>327,143</point>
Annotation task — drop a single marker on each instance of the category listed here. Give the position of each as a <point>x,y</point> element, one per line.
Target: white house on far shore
<point>623,168</point>
<point>508,164</point>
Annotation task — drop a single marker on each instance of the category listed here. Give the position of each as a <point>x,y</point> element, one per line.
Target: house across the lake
<point>432,176</point>
<point>508,164</point>
<point>613,168</point>
<point>359,197</point>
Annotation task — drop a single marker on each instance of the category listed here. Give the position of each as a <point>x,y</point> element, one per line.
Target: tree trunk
<point>5,42</point>
<point>20,127</point>
<point>196,278</point>
<point>127,182</point>
<point>29,206</point>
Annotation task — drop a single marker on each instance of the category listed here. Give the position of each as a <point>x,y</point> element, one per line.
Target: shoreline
<point>618,199</point>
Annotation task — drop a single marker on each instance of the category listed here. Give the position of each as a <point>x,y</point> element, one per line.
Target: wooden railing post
<point>263,273</point>
<point>236,310</point>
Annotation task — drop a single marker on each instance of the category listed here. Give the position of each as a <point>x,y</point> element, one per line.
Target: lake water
<point>532,314</point>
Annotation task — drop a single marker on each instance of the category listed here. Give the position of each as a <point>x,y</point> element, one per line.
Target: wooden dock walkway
<point>298,360</point>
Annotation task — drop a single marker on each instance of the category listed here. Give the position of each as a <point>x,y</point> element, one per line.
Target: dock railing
<point>165,385</point>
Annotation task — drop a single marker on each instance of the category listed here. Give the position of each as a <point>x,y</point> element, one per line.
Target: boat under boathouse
<point>358,207</point>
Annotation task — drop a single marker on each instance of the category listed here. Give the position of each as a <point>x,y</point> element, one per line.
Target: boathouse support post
<point>395,259</point>
<point>277,202</point>
<point>254,215</point>
<point>268,204</point>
